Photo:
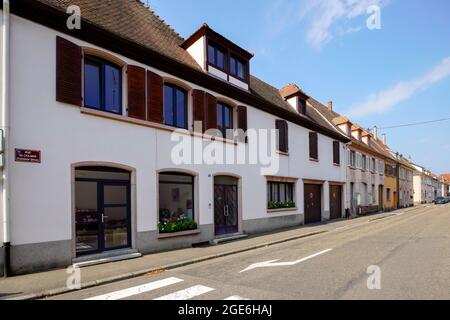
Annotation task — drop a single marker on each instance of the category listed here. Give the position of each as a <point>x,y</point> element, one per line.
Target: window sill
<point>282,153</point>
<point>313,160</point>
<point>336,164</point>
<point>178,234</point>
<point>281,210</point>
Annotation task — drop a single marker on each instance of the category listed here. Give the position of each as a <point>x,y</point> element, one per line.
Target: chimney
<point>383,138</point>
<point>330,105</point>
<point>375,133</point>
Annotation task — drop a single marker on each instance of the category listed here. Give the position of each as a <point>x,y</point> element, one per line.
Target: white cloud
<point>328,16</point>
<point>324,19</point>
<point>383,101</point>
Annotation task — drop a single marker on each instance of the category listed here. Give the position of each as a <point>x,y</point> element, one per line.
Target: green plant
<point>177,226</point>
<point>280,205</point>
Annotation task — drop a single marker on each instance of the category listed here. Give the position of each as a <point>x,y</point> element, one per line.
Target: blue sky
<point>395,75</point>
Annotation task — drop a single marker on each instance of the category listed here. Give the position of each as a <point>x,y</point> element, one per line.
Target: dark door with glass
<point>102,216</point>
<point>335,202</point>
<point>313,203</point>
<point>226,206</point>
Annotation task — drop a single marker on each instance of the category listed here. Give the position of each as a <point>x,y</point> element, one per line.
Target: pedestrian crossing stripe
<point>122,294</point>
<point>235,298</point>
<point>186,294</point>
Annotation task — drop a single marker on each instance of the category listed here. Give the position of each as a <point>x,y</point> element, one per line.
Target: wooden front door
<point>335,202</point>
<point>225,207</point>
<point>313,203</point>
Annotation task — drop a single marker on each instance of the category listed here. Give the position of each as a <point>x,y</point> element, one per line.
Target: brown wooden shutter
<point>313,147</point>
<point>198,102</point>
<point>68,72</point>
<point>136,92</point>
<point>242,118</point>
<point>211,112</point>
<point>336,153</point>
<point>155,94</point>
<point>242,122</point>
<point>283,143</point>
<point>285,136</point>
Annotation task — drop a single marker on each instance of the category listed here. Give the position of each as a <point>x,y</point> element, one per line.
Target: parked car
<point>441,200</point>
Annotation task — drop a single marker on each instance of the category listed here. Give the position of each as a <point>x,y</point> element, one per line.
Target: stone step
<point>229,238</point>
<point>106,257</point>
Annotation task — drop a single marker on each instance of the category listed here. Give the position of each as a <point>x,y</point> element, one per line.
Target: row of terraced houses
<point>88,119</point>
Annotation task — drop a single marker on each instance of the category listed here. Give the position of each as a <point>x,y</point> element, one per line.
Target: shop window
<point>176,202</point>
<point>280,195</point>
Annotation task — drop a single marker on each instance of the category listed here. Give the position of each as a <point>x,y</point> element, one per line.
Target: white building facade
<point>89,180</point>
<point>423,186</point>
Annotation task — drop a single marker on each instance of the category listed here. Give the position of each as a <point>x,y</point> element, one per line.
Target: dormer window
<point>238,67</point>
<point>217,57</point>
<point>301,106</point>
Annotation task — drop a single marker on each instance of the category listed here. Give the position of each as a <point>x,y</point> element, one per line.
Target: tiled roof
<point>340,120</point>
<point>269,93</point>
<point>132,20</point>
<point>336,119</point>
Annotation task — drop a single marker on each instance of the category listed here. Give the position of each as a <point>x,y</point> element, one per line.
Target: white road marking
<point>186,294</point>
<point>121,294</point>
<point>235,298</point>
<point>274,263</point>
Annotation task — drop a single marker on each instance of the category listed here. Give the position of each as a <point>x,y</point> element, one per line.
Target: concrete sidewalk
<point>53,282</point>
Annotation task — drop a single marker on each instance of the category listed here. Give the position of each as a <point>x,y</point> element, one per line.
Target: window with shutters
<point>364,162</point>
<point>102,85</point>
<point>282,127</point>
<point>388,194</point>
<point>336,153</point>
<point>313,146</point>
<point>175,106</point>
<point>224,118</point>
<point>352,159</point>
<point>390,171</point>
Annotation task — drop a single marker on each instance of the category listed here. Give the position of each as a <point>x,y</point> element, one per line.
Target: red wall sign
<point>31,156</point>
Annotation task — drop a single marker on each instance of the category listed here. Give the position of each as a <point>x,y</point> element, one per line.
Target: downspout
<point>5,128</point>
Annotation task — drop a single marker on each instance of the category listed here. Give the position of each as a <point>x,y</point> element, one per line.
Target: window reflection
<point>102,85</point>
<point>175,106</point>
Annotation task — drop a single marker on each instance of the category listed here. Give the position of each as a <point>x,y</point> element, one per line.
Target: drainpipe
<point>5,127</point>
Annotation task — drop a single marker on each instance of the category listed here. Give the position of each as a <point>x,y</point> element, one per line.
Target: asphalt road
<point>410,252</point>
